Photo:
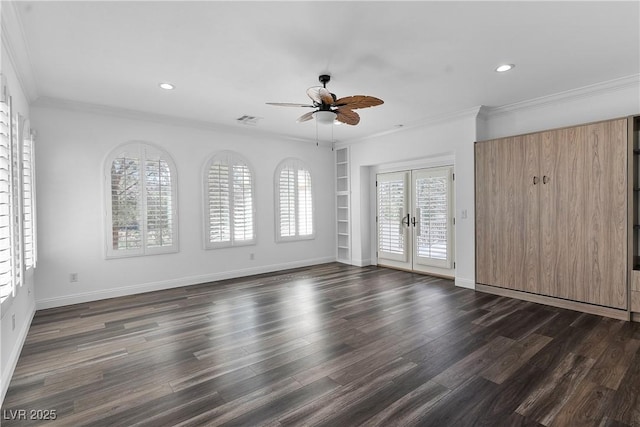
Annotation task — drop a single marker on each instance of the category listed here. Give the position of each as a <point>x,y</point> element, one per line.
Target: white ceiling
<point>227,59</point>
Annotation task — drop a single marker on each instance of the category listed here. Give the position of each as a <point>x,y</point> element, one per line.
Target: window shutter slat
<point>390,214</point>
<point>125,209</point>
<point>7,283</point>
<point>219,205</point>
<point>27,203</point>
<point>242,203</point>
<point>158,203</point>
<point>229,193</point>
<point>433,204</point>
<point>295,200</point>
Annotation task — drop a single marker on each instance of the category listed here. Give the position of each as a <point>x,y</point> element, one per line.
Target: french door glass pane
<point>391,203</point>
<point>432,216</point>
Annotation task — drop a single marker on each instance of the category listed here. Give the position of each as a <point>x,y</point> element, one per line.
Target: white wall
<point>23,305</point>
<point>603,101</point>
<point>72,146</point>
<point>451,138</point>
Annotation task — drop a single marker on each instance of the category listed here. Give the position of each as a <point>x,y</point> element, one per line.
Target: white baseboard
<point>7,373</point>
<point>465,283</point>
<point>173,283</point>
<point>361,262</point>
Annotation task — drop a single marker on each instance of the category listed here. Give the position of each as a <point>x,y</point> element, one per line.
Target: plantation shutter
<point>16,216</point>
<point>295,201</point>
<point>242,203</point>
<point>305,203</point>
<point>158,188</point>
<point>143,212</point>
<point>28,202</point>
<point>230,205</point>
<point>287,196</point>
<point>219,203</point>
<point>6,243</point>
<point>125,203</point>
<point>392,209</point>
<point>432,204</point>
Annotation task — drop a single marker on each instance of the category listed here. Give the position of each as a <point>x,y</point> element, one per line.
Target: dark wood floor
<point>331,345</point>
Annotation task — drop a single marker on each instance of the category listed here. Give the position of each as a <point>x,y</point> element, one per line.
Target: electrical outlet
<point>252,256</point>
<point>13,322</point>
<point>73,277</point>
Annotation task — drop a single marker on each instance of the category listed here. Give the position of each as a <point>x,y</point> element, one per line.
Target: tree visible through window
<point>142,203</point>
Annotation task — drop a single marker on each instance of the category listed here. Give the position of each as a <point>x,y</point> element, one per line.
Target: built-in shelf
<point>634,194</point>
<point>343,207</point>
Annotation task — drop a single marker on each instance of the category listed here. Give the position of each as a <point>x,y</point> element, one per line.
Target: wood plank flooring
<point>329,345</point>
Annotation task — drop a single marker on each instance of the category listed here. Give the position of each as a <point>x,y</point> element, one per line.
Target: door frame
<point>442,160</point>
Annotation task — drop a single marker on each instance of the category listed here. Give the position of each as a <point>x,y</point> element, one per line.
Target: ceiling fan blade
<point>347,116</point>
<point>289,104</point>
<point>305,117</point>
<point>358,101</point>
<point>320,95</point>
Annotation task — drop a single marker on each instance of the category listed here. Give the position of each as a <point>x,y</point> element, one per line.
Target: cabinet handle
<point>545,179</point>
<point>535,180</point>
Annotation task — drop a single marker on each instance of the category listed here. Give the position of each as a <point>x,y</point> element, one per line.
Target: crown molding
<point>469,113</point>
<point>123,113</point>
<point>601,88</point>
<point>14,43</point>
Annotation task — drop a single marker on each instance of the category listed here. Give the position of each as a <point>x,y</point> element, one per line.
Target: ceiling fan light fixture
<point>325,117</point>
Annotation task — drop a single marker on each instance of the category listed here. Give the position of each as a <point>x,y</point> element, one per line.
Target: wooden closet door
<point>583,214</point>
<point>563,200</point>
<point>531,216</point>
<point>606,213</point>
<point>507,213</point>
<point>485,241</point>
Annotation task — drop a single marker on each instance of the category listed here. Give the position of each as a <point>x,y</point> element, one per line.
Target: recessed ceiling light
<point>167,86</point>
<point>504,67</point>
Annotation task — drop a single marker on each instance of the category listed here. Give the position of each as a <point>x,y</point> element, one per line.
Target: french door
<point>415,220</point>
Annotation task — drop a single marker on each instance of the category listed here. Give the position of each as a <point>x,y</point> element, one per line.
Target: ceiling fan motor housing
<point>324,79</point>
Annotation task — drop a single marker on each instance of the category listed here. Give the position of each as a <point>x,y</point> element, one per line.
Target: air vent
<point>248,120</point>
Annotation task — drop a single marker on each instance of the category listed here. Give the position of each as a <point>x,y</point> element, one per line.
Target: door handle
<point>535,180</point>
<point>408,218</point>
<point>545,179</point>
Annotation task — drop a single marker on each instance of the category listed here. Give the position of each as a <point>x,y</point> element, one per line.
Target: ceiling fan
<point>329,107</point>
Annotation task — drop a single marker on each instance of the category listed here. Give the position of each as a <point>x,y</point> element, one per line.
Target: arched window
<point>141,204</point>
<point>294,201</point>
<point>229,201</point>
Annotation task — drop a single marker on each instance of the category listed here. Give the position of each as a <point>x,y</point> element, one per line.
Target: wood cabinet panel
<point>563,203</point>
<point>531,224</point>
<point>483,171</point>
<point>551,213</point>
<point>488,213</point>
<point>509,217</point>
<point>606,219</point>
<point>506,251</point>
